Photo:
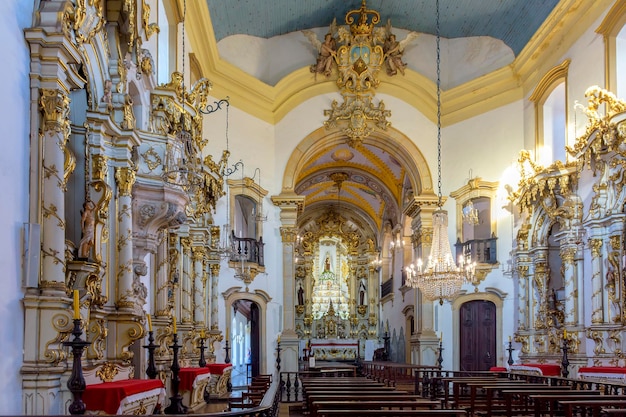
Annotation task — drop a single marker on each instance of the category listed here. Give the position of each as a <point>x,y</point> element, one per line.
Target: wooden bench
<point>592,406</point>
<point>111,389</point>
<point>393,413</point>
<point>548,403</point>
<point>354,396</point>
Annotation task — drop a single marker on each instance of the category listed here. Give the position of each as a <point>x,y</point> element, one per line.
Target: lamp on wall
<point>440,278</point>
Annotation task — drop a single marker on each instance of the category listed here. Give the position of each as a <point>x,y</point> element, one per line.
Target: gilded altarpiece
<point>590,242</point>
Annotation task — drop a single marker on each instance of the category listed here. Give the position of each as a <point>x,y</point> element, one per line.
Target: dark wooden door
<point>478,335</point>
<point>255,332</point>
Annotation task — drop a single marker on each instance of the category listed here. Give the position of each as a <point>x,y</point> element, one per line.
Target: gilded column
<point>568,255</point>
<point>55,108</point>
<point>213,309</point>
<point>185,285</point>
<point>524,307</point>
<point>125,178</point>
<point>597,302</point>
<point>539,301</point>
<point>613,279</point>
<point>199,254</point>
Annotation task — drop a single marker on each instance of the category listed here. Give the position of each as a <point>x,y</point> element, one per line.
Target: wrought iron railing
<point>249,248</point>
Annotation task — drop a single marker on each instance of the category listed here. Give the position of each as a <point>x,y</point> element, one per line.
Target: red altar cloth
<point>602,370</point>
<point>498,369</point>
<point>541,368</point>
<point>188,377</point>
<point>218,368</point>
<point>605,372</point>
<point>108,396</point>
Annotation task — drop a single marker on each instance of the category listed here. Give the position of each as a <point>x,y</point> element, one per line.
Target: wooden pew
<point>355,396</point>
<point>548,403</point>
<point>592,406</point>
<point>393,413</point>
<point>486,403</point>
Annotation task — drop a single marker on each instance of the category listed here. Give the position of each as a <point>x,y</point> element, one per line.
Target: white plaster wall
<point>462,59</point>
<point>251,140</point>
<point>15,15</point>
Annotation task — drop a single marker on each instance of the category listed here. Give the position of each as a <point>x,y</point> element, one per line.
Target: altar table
<point>219,385</point>
<point>193,384</point>
<point>128,396</point>
<point>337,349</point>
<point>537,368</point>
<point>602,372</point>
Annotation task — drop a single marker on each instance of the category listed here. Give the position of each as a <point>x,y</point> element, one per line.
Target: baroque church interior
<point>253,183</point>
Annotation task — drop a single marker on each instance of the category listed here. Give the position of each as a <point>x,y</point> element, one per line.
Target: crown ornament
<point>363,27</point>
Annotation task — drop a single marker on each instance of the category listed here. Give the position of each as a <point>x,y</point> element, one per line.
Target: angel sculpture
<point>394,49</point>
<point>327,50</point>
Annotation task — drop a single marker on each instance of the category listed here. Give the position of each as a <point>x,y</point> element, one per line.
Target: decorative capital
<point>288,234</point>
<point>55,109</point>
<point>125,178</point>
<point>596,246</point>
<point>199,253</point>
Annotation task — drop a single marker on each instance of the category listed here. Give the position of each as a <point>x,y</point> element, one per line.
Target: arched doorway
<point>246,315</point>
<point>477,335</point>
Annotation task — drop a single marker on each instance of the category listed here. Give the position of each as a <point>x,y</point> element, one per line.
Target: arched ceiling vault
<point>376,177</point>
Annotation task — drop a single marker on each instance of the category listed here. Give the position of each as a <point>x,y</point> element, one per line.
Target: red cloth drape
<point>218,368</point>
<point>188,375</point>
<point>108,395</point>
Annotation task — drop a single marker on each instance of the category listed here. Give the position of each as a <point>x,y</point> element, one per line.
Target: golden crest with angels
<point>358,51</point>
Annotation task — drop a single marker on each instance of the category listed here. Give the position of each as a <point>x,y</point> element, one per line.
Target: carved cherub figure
<point>327,50</point>
<point>393,48</point>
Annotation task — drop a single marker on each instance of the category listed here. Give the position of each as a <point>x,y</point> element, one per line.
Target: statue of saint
<point>88,226</point>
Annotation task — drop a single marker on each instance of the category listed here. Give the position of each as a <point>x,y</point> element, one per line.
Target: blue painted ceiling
<point>512,21</point>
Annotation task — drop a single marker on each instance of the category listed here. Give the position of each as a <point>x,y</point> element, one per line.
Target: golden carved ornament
<point>107,372</point>
<point>98,333</point>
<point>199,252</point>
<point>288,234</point>
<point>300,310</point>
<point>568,254</point>
<point>55,109</point>
<point>149,28</point>
<point>54,352</point>
<point>87,18</point>
<point>93,285</point>
<point>125,178</point>
<point>596,247</point>
<point>69,165</point>
<point>152,159</point>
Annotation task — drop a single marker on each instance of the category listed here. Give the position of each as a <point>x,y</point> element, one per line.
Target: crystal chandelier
<point>440,279</point>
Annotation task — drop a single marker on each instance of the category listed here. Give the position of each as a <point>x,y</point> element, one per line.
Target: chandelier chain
<point>439,203</point>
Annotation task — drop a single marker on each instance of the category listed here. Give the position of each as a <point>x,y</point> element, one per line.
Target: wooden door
<point>255,332</point>
<point>477,335</point>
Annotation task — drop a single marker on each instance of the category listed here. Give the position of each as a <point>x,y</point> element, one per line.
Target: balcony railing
<point>249,248</point>
<point>481,251</point>
<point>386,287</point>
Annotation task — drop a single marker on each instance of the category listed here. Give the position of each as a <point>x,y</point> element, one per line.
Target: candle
<point>227,333</point>
<point>174,321</point>
<point>564,334</point>
<point>76,305</point>
<point>509,339</point>
<point>149,322</point>
<point>278,339</point>
<point>441,335</point>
